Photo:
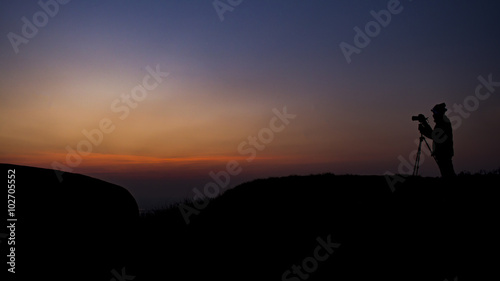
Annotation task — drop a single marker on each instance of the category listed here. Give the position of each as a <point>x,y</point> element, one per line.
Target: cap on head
<point>439,108</point>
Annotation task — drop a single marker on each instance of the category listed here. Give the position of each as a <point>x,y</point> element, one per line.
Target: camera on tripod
<point>420,118</point>
<point>421,127</point>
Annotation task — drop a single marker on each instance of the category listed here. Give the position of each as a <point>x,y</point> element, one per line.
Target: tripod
<point>417,159</point>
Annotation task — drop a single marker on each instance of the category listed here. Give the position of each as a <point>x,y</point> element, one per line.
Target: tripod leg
<point>428,146</point>
<point>415,165</point>
<point>417,159</point>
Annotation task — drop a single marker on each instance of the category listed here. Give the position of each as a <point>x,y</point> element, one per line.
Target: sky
<point>157,95</point>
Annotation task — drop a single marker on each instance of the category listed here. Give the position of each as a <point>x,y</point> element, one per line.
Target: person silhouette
<point>442,139</point>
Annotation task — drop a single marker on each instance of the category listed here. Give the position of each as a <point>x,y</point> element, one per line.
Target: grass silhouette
<point>429,229</point>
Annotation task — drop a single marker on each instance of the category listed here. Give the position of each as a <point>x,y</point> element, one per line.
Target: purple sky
<point>352,108</point>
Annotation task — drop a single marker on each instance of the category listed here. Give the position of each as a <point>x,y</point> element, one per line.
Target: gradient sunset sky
<point>226,77</point>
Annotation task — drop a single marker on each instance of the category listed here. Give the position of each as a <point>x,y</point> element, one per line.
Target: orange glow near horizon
<point>96,163</point>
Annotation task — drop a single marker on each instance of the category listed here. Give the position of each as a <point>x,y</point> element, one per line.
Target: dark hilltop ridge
<point>75,229</point>
<point>317,227</point>
<point>427,229</point>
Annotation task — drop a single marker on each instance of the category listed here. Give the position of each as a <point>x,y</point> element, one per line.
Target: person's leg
<point>446,167</point>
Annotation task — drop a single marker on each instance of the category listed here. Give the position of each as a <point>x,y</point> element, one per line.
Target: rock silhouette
<point>76,229</point>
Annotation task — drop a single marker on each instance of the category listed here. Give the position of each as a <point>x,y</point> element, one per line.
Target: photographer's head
<point>438,111</point>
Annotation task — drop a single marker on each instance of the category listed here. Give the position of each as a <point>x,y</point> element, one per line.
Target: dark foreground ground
<point>318,227</point>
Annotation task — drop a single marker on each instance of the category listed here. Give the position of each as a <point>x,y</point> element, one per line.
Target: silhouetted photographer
<point>442,138</point>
